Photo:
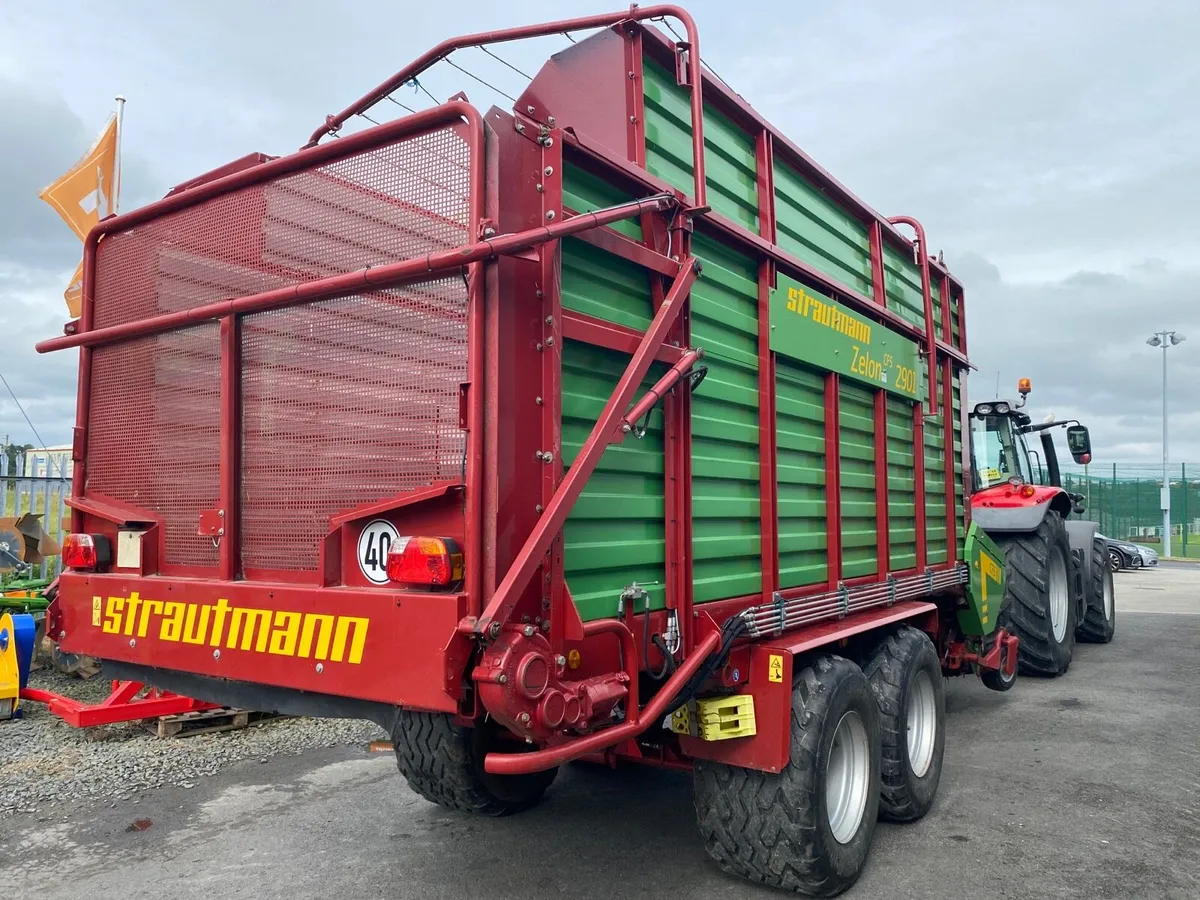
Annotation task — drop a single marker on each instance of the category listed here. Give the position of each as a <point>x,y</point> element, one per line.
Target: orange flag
<point>85,195</point>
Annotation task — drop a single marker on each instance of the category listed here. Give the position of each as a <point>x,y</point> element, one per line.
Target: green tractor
<point>1059,585</point>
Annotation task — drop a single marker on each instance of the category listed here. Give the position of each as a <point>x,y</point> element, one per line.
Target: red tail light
<point>425,561</point>
<point>86,552</point>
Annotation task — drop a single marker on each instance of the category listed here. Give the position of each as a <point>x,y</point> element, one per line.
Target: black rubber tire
<point>1025,610</point>
<point>774,829</point>
<point>443,762</point>
<point>995,681</point>
<point>1116,562</point>
<point>1098,625</point>
<point>892,670</point>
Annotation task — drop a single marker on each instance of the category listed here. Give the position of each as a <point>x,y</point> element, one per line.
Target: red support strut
<point>605,432</point>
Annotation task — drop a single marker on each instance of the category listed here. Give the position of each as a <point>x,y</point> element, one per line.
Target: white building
<point>51,462</point>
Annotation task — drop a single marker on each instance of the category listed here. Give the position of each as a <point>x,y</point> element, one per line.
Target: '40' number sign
<point>374,544</point>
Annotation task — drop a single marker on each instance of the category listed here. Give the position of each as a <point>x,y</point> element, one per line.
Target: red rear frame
<point>509,507</point>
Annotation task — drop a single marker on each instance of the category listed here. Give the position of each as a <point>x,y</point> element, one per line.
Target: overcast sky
<point>1052,149</point>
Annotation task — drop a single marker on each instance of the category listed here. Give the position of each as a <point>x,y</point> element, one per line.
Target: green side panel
<point>614,535</point>
<point>729,161</point>
<point>955,316</point>
<point>605,286</point>
<point>800,457</point>
<point>902,516</point>
<point>986,588</point>
<point>935,483</point>
<point>726,525</point>
<point>856,410</point>
<point>902,284</point>
<point>960,513</point>
<point>813,227</point>
<point>584,192</point>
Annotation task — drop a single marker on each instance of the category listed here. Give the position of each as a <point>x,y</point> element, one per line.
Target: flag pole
<point>116,200</point>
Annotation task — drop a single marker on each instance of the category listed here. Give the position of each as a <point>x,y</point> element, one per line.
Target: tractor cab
<point>1001,454</point>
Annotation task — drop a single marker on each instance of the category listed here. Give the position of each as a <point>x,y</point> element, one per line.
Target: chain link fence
<point>1124,500</point>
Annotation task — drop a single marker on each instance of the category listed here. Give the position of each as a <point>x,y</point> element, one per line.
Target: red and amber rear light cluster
<point>86,552</point>
<point>425,562</point>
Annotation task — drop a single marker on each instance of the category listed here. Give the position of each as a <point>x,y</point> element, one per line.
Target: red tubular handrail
<point>927,296</point>
<point>695,73</point>
<point>421,267</point>
<point>635,724</point>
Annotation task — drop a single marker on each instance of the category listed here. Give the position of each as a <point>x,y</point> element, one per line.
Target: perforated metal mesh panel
<point>344,402</point>
<point>384,205</point>
<point>154,419</point>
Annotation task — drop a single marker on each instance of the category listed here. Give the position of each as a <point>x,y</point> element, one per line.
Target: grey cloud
<point>1049,148</point>
<point>1082,341</point>
<point>51,138</point>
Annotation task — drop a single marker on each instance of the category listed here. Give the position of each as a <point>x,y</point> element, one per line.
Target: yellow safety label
<point>96,612</point>
<point>775,668</point>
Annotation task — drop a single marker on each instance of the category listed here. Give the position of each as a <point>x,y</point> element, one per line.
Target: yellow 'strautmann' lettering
<point>320,636</point>
<point>824,313</point>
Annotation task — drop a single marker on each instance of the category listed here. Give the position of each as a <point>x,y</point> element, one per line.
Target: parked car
<point>1126,555</point>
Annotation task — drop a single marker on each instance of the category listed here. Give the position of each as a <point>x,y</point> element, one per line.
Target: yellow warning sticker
<point>96,612</point>
<point>775,668</point>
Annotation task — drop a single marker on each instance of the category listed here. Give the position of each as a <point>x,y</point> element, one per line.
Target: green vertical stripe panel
<point>800,460</point>
<point>813,227</point>
<point>585,192</point>
<point>856,408</point>
<point>615,533</point>
<point>726,525</point>
<point>935,482</point>
<point>730,167</point>
<point>902,283</point>
<point>608,287</point>
<point>955,316</point>
<point>902,517</point>
<point>960,513</point>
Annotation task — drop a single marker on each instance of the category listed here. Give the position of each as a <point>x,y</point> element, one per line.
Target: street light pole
<point>1165,339</point>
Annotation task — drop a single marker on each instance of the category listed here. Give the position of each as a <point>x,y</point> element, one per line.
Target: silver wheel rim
<point>847,777</point>
<point>922,724</point>
<point>1059,596</point>
<point>1108,599</point>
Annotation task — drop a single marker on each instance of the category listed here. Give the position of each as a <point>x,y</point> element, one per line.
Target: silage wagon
<point>607,427</point>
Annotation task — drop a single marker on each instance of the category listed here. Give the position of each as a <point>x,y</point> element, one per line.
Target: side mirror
<point>1080,444</point>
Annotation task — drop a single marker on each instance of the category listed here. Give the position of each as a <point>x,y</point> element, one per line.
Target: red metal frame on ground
<point>122,705</point>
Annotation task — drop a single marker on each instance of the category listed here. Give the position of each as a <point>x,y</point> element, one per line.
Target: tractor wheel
<point>1100,617</point>
<point>807,829</point>
<point>996,680</point>
<point>1038,606</point>
<point>906,676</point>
<point>443,762</point>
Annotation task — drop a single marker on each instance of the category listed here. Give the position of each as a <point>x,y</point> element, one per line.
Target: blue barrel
<point>25,629</point>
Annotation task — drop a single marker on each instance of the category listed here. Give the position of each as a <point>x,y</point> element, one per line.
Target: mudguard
<point>993,519</point>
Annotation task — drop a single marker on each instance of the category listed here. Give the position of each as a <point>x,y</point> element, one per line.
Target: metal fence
<point>1124,499</point>
<point>43,495</point>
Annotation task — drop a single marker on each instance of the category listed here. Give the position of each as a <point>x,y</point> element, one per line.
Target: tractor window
<point>997,452</point>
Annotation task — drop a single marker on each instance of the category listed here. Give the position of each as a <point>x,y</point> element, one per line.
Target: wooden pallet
<point>204,722</point>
